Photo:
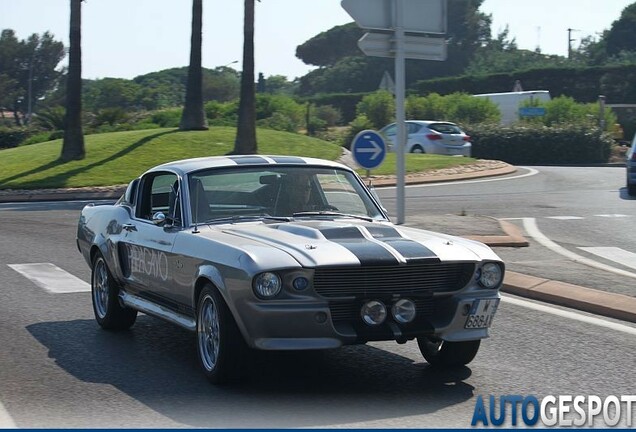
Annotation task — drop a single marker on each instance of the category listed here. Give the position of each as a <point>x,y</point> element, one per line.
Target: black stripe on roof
<point>288,160</point>
<point>248,160</point>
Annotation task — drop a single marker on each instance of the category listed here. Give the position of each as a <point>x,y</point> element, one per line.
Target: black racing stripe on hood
<point>248,160</point>
<point>288,160</point>
<point>409,249</point>
<point>368,252</point>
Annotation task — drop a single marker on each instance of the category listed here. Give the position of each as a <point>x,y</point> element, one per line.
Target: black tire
<point>631,189</point>
<point>220,344</point>
<point>440,353</point>
<point>417,149</point>
<point>109,313</point>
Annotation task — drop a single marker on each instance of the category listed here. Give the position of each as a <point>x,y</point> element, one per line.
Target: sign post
<point>399,17</point>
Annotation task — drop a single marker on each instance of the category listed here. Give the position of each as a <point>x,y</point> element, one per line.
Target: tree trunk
<point>193,117</point>
<point>246,130</point>
<point>73,144</point>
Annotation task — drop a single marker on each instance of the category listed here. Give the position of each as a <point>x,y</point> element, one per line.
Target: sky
<point>127,38</point>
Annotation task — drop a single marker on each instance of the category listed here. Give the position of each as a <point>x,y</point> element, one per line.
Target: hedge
<point>617,83</point>
<point>538,145</point>
<point>12,137</point>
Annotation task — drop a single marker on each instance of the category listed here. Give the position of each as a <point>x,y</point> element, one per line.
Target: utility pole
<point>570,40</point>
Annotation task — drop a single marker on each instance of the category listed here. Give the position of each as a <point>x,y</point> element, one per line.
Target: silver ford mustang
<point>282,253</point>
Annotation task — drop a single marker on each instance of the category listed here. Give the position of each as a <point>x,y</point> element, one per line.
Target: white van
<point>509,102</point>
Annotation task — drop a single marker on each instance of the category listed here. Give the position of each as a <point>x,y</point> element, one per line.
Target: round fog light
<point>403,311</point>
<point>373,313</point>
<point>300,283</point>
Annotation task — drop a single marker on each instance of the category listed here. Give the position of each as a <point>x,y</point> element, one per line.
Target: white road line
<point>571,315</point>
<point>51,278</point>
<point>6,422</point>
<point>531,172</point>
<point>564,217</point>
<point>621,256</point>
<point>530,225</point>
<point>613,215</point>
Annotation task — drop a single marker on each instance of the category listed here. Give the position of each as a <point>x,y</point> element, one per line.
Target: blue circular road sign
<point>368,149</point>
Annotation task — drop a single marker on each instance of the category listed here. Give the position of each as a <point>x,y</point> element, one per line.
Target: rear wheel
<point>441,353</point>
<point>631,189</point>
<point>417,149</point>
<point>109,313</point>
<point>219,341</point>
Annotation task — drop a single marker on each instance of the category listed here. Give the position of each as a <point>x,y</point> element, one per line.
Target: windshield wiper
<point>332,214</point>
<point>246,218</point>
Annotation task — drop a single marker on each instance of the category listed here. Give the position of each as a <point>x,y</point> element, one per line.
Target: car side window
<point>445,128</point>
<point>160,194</point>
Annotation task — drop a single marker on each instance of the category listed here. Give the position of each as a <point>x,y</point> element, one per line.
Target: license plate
<point>481,314</point>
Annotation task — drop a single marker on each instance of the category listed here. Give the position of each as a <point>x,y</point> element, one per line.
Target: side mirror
<point>158,218</point>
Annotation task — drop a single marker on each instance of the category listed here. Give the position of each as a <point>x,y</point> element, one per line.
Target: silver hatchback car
<point>435,137</point>
<point>631,168</point>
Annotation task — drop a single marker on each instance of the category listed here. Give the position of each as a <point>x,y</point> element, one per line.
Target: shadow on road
<point>155,364</point>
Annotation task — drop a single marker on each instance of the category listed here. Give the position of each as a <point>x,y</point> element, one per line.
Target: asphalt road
<point>59,370</point>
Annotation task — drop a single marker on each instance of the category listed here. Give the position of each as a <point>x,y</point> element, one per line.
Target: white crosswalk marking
<point>565,217</point>
<point>51,278</point>
<point>613,215</point>
<point>618,255</point>
<point>6,422</point>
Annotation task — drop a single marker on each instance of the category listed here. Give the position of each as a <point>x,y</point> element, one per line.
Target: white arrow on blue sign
<point>368,149</point>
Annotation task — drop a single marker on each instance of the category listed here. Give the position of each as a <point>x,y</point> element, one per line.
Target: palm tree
<point>245,142</point>
<point>193,117</point>
<point>73,144</point>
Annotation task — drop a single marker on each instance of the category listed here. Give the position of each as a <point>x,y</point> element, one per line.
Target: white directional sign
<point>415,47</point>
<point>420,16</point>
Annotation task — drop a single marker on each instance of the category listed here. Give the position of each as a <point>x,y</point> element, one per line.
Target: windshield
<point>279,191</point>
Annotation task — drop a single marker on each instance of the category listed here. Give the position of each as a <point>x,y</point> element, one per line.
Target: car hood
<point>326,243</point>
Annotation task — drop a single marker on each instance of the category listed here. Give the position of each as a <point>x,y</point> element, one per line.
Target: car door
<point>149,240</point>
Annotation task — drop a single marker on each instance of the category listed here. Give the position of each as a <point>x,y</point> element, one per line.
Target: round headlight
<point>267,285</point>
<point>491,275</point>
<point>403,311</point>
<point>373,312</point>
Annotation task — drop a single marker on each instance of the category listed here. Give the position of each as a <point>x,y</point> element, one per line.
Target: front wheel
<point>109,313</point>
<point>417,149</point>
<point>631,189</point>
<point>219,341</point>
<point>441,353</point>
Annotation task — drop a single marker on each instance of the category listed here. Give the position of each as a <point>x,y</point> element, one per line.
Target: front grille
<point>422,279</point>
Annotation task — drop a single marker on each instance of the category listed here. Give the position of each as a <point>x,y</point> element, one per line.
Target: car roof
<point>186,166</point>
<point>426,122</point>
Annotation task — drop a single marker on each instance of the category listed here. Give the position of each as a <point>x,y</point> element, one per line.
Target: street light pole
<point>570,40</point>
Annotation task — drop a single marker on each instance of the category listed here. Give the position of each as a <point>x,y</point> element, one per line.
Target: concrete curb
<point>598,302</point>
<point>513,237</point>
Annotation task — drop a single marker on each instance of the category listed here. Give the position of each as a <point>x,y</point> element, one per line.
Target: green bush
<point>12,137</point>
<point>378,108</point>
<point>535,145</point>
<point>358,124</point>
<point>43,137</point>
<point>456,107</point>
<point>168,117</point>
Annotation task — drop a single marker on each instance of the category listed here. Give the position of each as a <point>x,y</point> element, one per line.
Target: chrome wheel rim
<point>100,288</point>
<point>208,330</point>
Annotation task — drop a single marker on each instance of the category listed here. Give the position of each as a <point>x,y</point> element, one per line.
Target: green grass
<point>118,157</point>
<point>415,163</point>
